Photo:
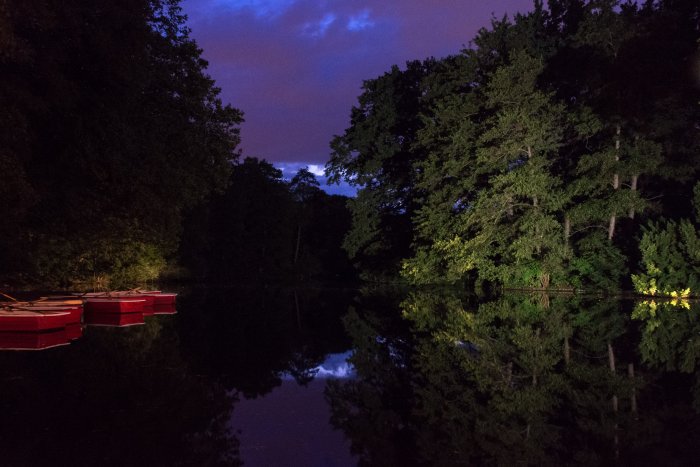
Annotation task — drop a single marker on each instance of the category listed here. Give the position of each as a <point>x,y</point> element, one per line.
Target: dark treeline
<point>113,138</point>
<point>110,130</point>
<point>265,229</point>
<point>561,149</point>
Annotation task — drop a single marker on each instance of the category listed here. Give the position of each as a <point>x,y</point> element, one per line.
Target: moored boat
<point>114,305</point>
<point>75,312</point>
<point>33,340</point>
<point>74,331</point>
<point>33,320</point>
<point>114,319</point>
<point>164,310</point>
<point>152,297</point>
<point>164,298</point>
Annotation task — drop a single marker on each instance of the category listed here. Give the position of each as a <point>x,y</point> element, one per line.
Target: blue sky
<point>295,67</point>
<point>289,169</point>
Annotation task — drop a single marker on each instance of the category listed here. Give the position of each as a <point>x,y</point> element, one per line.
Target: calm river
<point>339,377</point>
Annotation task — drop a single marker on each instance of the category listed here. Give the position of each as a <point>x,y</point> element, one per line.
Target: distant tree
<point>251,226</point>
<point>304,185</point>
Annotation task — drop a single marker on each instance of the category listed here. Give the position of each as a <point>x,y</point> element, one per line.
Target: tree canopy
<point>111,130</point>
<point>535,156</point>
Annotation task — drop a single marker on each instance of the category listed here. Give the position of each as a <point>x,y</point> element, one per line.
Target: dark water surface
<point>335,377</point>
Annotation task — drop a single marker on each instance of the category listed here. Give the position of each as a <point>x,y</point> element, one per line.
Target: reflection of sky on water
<point>290,426</point>
<point>335,366</point>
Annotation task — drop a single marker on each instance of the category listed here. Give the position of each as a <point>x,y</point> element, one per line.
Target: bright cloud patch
<point>360,21</point>
<point>317,170</point>
<point>262,8</point>
<point>335,366</point>
<point>319,28</point>
<point>289,169</point>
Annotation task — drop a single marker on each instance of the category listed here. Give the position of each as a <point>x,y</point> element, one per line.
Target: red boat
<point>44,304</point>
<point>114,319</point>
<point>33,321</point>
<point>164,298</point>
<point>33,340</point>
<point>75,312</point>
<point>164,310</point>
<point>74,331</point>
<point>114,305</point>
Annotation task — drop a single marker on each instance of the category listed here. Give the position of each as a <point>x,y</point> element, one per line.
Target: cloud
<point>289,169</point>
<point>360,21</point>
<point>335,366</point>
<point>261,8</point>
<point>295,67</point>
<point>319,28</point>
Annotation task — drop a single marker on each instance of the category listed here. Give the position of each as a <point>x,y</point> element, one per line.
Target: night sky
<point>295,67</point>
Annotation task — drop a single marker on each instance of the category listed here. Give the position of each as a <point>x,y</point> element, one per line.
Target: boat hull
<point>114,319</point>
<point>33,340</point>
<point>114,305</point>
<point>32,321</point>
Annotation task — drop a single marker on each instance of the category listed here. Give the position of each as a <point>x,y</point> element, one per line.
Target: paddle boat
<point>151,297</point>
<point>74,309</point>
<point>33,340</point>
<point>114,305</point>
<point>164,310</point>
<point>74,331</point>
<point>114,319</point>
<point>33,320</point>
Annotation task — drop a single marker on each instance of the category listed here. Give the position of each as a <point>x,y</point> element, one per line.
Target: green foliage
<point>599,264</point>
<point>105,261</point>
<point>510,233</point>
<point>670,259</point>
<point>512,158</point>
<point>376,153</point>
<point>668,340</point>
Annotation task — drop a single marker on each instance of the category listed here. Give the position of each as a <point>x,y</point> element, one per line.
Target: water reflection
<point>251,339</point>
<point>16,340</point>
<point>529,380</point>
<point>117,396</point>
<point>254,375</point>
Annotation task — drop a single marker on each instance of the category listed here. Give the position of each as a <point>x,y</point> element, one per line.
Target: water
<point>332,377</point>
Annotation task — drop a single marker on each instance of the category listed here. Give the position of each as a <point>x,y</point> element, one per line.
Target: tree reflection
<point>670,337</point>
<point>374,409</point>
<point>522,380</point>
<point>249,338</point>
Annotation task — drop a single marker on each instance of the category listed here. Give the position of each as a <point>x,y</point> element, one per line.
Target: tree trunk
<point>611,357</point>
<point>296,306</point>
<point>616,183</point>
<point>611,227</point>
<point>538,248</point>
<point>633,187</point>
<point>567,351</point>
<point>630,373</point>
<point>616,441</point>
<point>611,362</point>
<point>567,228</point>
<point>296,250</point>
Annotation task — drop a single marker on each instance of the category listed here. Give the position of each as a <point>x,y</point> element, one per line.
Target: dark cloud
<point>295,67</point>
